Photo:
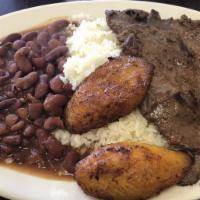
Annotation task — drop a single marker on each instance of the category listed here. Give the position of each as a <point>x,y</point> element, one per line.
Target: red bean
<point>33,46</point>
<point>15,105</point>
<point>53,123</point>
<point>44,78</point>
<point>70,161</point>
<point>6,148</point>
<point>68,89</point>
<point>43,38</point>
<point>8,46</point>
<point>44,50</point>
<point>56,84</point>
<point>2,98</point>
<point>53,102</point>
<point>11,119</point>
<point>60,62</point>
<point>23,113</point>
<point>55,36</point>
<point>17,75</point>
<point>60,24</point>
<point>12,139</point>
<point>22,61</point>
<point>39,122</point>
<point>6,103</point>
<point>50,70</point>
<point>54,53</point>
<point>54,148</point>
<point>3,128</point>
<point>35,110</point>
<point>42,136</point>
<point>29,131</point>
<point>12,67</point>
<point>27,81</point>
<point>31,98</point>
<point>11,38</point>
<point>41,90</point>
<point>62,39</point>
<point>18,44</point>
<point>9,94</point>
<point>3,51</point>
<point>39,62</point>
<point>4,76</point>
<point>53,43</point>
<point>2,62</point>
<point>29,36</point>
<point>18,126</point>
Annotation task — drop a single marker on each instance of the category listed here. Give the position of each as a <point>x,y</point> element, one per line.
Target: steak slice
<point>194,174</point>
<point>173,99</point>
<point>177,121</point>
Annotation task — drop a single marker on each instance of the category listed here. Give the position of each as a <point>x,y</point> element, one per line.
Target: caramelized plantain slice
<point>112,91</point>
<point>130,171</point>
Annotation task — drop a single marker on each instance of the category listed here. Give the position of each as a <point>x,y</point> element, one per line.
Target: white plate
<point>18,186</point>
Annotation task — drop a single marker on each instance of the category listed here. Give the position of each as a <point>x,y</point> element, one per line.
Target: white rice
<point>133,127</point>
<point>90,46</point>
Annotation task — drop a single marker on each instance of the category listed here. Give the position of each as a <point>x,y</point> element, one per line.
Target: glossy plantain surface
<point>130,171</point>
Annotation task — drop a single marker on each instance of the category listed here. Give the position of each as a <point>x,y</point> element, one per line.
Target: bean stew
<point>32,98</point>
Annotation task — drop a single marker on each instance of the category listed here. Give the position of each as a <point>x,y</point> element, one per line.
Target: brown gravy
<point>41,173</point>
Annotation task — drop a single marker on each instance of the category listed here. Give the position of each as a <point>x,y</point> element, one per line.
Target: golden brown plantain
<point>112,91</point>
<point>130,171</point>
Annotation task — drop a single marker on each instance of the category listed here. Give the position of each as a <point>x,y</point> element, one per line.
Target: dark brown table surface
<point>7,6</point>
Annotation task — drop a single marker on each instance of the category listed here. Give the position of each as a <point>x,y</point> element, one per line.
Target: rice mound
<point>90,46</point>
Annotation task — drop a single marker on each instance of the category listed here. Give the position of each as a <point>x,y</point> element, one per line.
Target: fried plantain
<point>130,171</point>
<point>112,91</point>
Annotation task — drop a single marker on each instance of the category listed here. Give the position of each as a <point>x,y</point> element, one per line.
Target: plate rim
<point>13,14</point>
<point>93,2</point>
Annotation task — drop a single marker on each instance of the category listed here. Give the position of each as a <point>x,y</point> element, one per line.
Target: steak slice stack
<point>173,99</point>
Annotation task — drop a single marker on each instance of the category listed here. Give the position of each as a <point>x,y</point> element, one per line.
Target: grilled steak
<point>173,99</point>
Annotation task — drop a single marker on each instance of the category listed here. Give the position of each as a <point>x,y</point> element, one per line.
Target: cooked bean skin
<point>12,139</point>
<point>35,110</point>
<point>55,102</point>
<point>55,53</point>
<point>27,81</point>
<point>17,44</point>
<point>22,112</point>
<point>6,148</point>
<point>6,103</point>
<point>29,130</point>
<point>11,119</point>
<point>50,70</point>
<point>22,61</point>
<point>18,126</point>
<point>11,37</point>
<point>12,68</point>
<point>41,89</point>
<point>3,129</point>
<point>52,123</point>
<point>54,148</point>
<point>29,36</point>
<point>70,161</point>
<point>56,84</point>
